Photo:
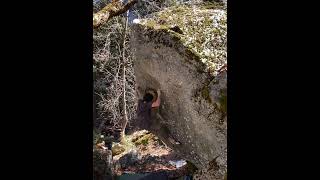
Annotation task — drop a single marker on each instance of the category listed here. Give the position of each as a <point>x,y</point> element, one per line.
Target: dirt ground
<point>153,156</point>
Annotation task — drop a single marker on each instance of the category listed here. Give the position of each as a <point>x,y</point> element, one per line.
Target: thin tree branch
<point>125,116</point>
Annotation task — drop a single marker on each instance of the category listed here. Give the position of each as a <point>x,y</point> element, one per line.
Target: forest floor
<point>143,152</point>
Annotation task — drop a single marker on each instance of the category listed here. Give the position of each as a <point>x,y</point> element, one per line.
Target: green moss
<point>150,23</point>
<point>206,94</point>
<point>212,5</point>
<point>204,31</point>
<point>117,149</point>
<point>223,102</point>
<point>144,140</point>
<point>155,25</point>
<point>179,9</point>
<point>191,54</point>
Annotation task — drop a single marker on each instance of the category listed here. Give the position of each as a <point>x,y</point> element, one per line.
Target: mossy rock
<point>212,5</point>
<point>118,149</point>
<point>202,31</point>
<point>179,62</point>
<point>206,94</point>
<point>144,140</point>
<point>102,164</point>
<point>223,101</point>
<point>137,138</point>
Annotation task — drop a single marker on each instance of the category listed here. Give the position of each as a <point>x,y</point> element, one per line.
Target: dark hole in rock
<point>150,95</point>
<point>177,29</point>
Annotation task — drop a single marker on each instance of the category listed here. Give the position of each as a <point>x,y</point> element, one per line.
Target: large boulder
<point>102,164</point>
<point>130,158</point>
<point>181,51</point>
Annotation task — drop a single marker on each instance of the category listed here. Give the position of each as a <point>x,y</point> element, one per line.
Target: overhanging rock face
<point>181,51</point>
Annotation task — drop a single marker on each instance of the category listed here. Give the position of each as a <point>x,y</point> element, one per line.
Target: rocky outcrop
<point>102,164</point>
<point>129,159</point>
<point>181,51</point>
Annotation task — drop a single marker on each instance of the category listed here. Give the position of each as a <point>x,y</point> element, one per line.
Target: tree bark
<point>125,116</point>
<point>114,8</point>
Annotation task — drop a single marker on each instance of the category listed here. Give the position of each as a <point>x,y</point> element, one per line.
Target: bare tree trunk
<point>125,116</point>
<point>114,8</point>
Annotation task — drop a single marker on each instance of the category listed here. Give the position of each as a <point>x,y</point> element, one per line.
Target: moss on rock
<point>144,140</point>
<point>204,32</point>
<point>206,94</point>
<point>117,149</point>
<point>223,101</point>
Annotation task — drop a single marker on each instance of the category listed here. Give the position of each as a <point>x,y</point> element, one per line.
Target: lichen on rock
<point>204,31</point>
<point>180,50</point>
